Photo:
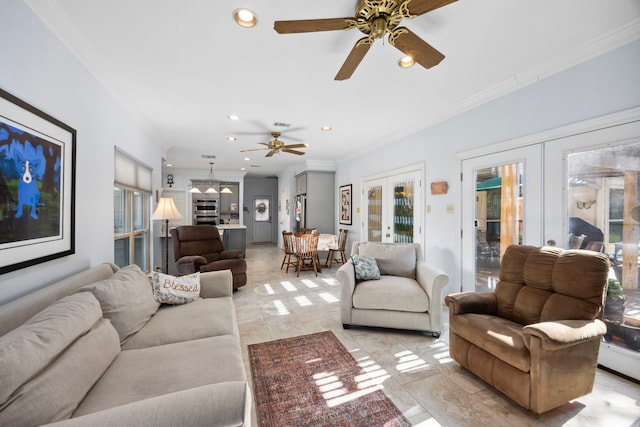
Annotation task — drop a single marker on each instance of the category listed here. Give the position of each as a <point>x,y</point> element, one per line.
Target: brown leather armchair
<point>200,248</point>
<point>536,338</point>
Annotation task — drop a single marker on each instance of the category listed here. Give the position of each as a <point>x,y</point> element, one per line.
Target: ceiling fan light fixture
<point>406,62</point>
<point>245,18</point>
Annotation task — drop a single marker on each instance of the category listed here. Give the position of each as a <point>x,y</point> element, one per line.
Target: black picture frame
<point>346,199</point>
<point>37,185</point>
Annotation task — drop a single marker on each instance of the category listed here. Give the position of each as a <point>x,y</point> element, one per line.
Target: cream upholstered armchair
<point>536,338</point>
<point>408,294</point>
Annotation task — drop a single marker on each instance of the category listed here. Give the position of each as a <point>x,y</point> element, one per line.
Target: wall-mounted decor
<point>37,186</point>
<point>262,212</point>
<point>440,187</point>
<point>345,204</point>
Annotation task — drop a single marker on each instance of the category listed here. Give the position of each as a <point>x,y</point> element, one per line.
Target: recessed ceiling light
<point>168,165</point>
<point>232,138</point>
<point>245,18</point>
<point>247,159</point>
<point>243,169</point>
<point>325,128</point>
<point>233,117</point>
<point>406,62</point>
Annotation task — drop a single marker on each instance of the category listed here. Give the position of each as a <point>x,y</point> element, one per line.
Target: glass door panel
<point>603,214</point>
<point>500,185</point>
<point>403,211</point>
<point>374,212</point>
<point>592,194</point>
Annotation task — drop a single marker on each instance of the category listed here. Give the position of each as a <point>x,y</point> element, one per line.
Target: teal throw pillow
<point>366,268</point>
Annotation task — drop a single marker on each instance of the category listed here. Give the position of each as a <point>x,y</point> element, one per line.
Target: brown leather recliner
<point>536,338</point>
<point>200,248</point>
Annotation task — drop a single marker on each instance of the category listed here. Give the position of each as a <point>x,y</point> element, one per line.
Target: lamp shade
<point>166,209</point>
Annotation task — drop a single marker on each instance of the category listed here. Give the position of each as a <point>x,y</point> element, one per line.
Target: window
<point>131,218</point>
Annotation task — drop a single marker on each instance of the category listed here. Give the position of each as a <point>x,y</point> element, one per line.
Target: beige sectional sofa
<point>96,349</point>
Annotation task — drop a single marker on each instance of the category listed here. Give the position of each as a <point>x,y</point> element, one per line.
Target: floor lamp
<point>166,210</point>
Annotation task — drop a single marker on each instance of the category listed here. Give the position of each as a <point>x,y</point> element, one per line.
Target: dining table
<point>326,241</point>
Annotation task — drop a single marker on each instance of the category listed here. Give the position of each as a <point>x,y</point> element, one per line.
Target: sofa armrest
<point>190,264</point>
<point>563,333</point>
<point>231,254</point>
<point>472,302</point>
<point>214,284</point>
<point>432,281</point>
<point>346,275</point>
<point>222,404</point>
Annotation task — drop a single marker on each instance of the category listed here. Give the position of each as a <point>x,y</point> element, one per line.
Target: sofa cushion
<point>31,347</point>
<point>174,290</point>
<point>394,259</point>
<point>56,392</point>
<point>499,337</point>
<point>208,317</point>
<point>126,299</point>
<point>365,268</point>
<point>391,293</point>
<point>148,372</point>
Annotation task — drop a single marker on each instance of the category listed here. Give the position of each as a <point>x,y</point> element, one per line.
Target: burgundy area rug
<point>312,380</point>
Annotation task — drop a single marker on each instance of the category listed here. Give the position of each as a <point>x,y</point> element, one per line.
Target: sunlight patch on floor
<point>281,307</point>
<point>289,286</point>
<point>269,289</point>
<point>309,283</point>
<point>328,297</point>
<point>303,301</point>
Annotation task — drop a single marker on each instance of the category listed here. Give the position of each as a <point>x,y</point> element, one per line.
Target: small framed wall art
<point>345,204</point>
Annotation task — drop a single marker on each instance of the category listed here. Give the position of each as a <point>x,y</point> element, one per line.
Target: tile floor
<point>413,369</point>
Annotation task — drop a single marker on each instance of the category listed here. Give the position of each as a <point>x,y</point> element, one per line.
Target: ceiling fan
<point>376,18</point>
<point>276,146</point>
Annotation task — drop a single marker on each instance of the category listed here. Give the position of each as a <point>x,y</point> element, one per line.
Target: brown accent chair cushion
<point>536,338</point>
<point>200,248</point>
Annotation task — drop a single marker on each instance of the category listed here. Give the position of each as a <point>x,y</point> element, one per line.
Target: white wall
<point>604,85</point>
<point>37,68</point>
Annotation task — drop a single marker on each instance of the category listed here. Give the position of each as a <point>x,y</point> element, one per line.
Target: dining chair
<point>287,239</point>
<point>305,249</point>
<point>306,230</point>
<point>342,243</point>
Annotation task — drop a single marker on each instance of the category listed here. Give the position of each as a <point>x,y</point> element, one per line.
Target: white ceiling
<point>181,67</point>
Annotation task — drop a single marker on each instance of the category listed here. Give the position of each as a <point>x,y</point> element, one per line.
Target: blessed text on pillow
<point>174,290</point>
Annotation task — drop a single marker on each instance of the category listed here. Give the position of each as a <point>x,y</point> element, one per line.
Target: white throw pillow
<point>174,290</point>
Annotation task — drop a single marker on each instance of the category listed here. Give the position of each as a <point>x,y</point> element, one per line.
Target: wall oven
<point>205,211</point>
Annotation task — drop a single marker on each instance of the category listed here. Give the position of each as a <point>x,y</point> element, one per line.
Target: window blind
<point>131,173</point>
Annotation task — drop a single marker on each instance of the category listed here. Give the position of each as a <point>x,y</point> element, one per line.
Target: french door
<point>591,200</point>
<point>391,206</point>
<point>502,198</point>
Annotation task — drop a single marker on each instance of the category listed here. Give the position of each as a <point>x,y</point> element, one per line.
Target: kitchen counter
<point>231,226</point>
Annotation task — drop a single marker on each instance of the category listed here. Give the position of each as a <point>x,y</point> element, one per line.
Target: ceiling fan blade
<point>271,153</point>
<point>410,44</point>
<point>312,25</point>
<point>353,60</point>
<point>419,7</point>
<point>299,153</point>
<point>296,146</point>
<point>255,149</point>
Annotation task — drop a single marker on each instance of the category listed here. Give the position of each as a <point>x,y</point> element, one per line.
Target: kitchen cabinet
<point>319,209</point>
<point>234,236</point>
